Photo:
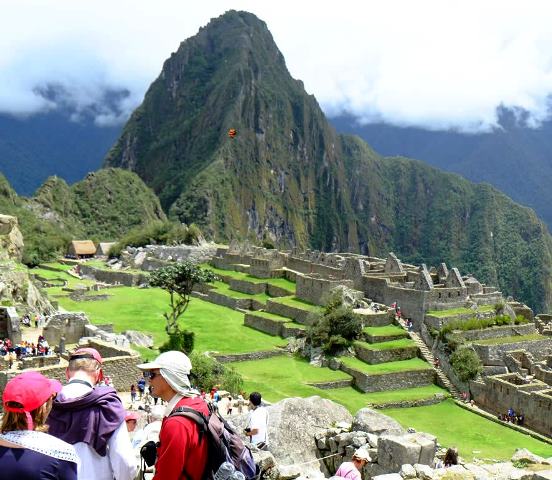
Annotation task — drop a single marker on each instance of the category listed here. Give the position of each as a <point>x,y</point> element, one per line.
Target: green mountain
<point>289,176</point>
<point>103,206</point>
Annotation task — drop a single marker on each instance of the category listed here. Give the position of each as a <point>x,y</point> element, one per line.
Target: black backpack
<point>224,444</point>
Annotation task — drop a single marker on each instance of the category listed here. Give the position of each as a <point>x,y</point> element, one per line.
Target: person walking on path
<point>93,420</point>
<point>27,452</point>
<point>182,451</point>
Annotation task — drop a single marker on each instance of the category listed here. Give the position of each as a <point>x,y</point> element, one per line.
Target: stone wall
<point>494,354</point>
<point>315,290</point>
<point>383,356</point>
<point>245,357</point>
<point>390,381</point>
<point>247,287</point>
<point>297,314</point>
<point>113,276</point>
<point>68,325</point>
<point>38,362</point>
<point>264,324</point>
<point>497,332</point>
<point>499,393</point>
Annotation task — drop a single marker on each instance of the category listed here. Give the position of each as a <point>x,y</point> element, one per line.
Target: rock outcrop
<point>11,240</point>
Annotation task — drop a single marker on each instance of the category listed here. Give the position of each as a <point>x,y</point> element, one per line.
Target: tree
<point>179,279</point>
<point>466,363</point>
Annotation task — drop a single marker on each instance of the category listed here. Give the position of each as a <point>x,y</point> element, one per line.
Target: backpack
<point>224,444</point>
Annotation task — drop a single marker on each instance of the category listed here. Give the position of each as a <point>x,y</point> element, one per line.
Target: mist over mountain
<point>289,177</point>
<point>59,142</point>
<point>515,158</point>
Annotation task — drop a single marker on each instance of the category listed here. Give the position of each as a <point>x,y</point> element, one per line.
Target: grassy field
<point>451,312</point>
<point>474,436</point>
<point>514,339</point>
<point>388,367</point>
<point>298,303</point>
<point>224,288</point>
<point>385,331</point>
<point>402,343</point>
<point>217,328</point>
<point>277,282</point>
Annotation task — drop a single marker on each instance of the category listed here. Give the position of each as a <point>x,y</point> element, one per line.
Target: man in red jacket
<point>181,454</point>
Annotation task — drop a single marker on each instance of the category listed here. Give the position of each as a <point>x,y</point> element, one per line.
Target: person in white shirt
<point>257,424</point>
<point>92,419</point>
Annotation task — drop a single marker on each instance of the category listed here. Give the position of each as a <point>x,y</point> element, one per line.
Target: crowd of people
<point>512,417</point>
<point>82,430</point>
<point>17,351</point>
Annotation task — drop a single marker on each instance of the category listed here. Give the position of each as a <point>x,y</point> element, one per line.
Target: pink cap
<point>30,389</point>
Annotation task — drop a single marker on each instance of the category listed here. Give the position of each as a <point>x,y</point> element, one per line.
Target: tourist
<point>229,407</point>
<point>141,386</point>
<point>451,457</point>
<point>27,452</point>
<point>136,434</point>
<point>241,402</point>
<point>93,420</point>
<point>182,452</point>
<point>351,470</point>
<point>132,393</point>
<point>520,419</point>
<point>257,423</point>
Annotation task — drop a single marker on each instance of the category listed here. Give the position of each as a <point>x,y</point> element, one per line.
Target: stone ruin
<point>329,435</point>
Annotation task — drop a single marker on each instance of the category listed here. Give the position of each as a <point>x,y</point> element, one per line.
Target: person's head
<point>255,399</point>
<point>85,363</point>
<point>131,420</point>
<point>168,374</point>
<point>27,401</point>
<point>361,457</point>
<point>451,457</point>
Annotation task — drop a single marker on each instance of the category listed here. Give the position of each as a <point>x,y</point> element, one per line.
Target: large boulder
<point>139,338</point>
<point>11,240</point>
<point>372,421</point>
<point>413,448</point>
<point>525,456</point>
<point>293,423</point>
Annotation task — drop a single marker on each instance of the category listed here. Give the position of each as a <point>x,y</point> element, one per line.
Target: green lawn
<point>288,376</point>
<point>217,328</point>
<point>451,312</point>
<point>514,339</point>
<point>223,288</point>
<point>402,343</point>
<point>385,331</point>
<point>277,282</point>
<point>471,433</point>
<point>58,266</point>
<point>388,367</point>
<point>298,303</point>
<point>272,316</point>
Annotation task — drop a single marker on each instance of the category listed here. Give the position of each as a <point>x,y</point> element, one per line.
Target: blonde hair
<point>88,365</point>
<point>18,420</point>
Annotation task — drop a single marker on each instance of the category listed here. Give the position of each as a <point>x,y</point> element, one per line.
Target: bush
<point>181,341</point>
<point>207,372</point>
<point>480,323</point>
<point>336,329</point>
<point>466,364</point>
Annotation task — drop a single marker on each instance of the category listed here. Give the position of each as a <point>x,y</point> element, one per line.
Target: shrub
<point>207,372</point>
<point>181,341</point>
<point>466,364</point>
<point>337,327</point>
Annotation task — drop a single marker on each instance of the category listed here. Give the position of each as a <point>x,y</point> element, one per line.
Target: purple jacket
<point>91,419</point>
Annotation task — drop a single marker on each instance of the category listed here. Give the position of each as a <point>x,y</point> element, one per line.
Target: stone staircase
<point>426,354</point>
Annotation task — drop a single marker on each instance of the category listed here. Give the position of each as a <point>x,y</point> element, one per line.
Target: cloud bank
<point>431,64</point>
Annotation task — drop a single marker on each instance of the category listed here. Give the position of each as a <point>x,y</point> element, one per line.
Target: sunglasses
<point>151,375</point>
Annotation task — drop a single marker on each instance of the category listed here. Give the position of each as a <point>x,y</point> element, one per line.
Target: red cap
<point>132,416</point>
<point>91,353</point>
<point>30,389</point>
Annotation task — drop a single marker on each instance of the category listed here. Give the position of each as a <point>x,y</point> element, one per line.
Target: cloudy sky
<point>435,64</point>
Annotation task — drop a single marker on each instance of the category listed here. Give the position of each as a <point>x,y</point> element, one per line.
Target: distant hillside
<point>103,206</point>
<point>36,147</point>
<point>516,159</point>
<point>288,176</point>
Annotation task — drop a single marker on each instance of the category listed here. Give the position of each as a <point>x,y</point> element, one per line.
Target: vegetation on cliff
<point>289,178</point>
<point>103,206</point>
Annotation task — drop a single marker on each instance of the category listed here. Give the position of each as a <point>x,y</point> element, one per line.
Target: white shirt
<point>172,404</point>
<point>120,461</point>
<point>258,420</point>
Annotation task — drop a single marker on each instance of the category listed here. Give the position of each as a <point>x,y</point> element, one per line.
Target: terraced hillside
<point>258,356</point>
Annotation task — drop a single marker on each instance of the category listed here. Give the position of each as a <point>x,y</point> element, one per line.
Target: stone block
<point>424,472</point>
<point>407,471</point>
<point>394,451</point>
<point>373,422</point>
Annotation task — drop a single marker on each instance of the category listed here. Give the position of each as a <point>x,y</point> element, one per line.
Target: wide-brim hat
<point>173,361</point>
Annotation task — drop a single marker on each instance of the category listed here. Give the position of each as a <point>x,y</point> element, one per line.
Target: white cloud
<point>432,63</point>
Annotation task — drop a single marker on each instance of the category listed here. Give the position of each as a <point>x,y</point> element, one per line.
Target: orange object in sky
<point>232,133</point>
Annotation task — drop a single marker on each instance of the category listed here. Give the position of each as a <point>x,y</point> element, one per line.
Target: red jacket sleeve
<point>174,438</point>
